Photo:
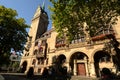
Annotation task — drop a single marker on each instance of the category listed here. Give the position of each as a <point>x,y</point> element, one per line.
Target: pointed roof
<point>43,6</point>
<point>38,12</point>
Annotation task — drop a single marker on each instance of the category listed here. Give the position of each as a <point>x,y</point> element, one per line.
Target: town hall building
<point>44,49</point>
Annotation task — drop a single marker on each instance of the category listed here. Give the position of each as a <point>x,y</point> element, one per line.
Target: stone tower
<point>39,26</point>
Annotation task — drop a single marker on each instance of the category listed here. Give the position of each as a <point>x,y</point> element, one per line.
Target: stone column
<point>74,70</point>
<point>67,65</point>
<point>92,69</point>
<point>86,66</point>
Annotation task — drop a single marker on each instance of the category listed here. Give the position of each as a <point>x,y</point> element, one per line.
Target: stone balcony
<point>40,55</point>
<point>96,40</point>
<point>82,44</point>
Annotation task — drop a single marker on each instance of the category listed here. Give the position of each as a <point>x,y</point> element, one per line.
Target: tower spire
<point>43,5</point>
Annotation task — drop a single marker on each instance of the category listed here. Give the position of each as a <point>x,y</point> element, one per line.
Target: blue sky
<point>27,8</point>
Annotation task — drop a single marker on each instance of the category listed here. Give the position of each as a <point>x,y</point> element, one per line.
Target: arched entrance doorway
<point>30,72</point>
<point>62,69</point>
<point>58,67</point>
<point>79,64</point>
<point>102,59</point>
<point>61,59</point>
<point>24,66</point>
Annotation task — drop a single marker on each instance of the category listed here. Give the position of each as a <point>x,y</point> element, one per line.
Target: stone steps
<point>82,78</point>
<point>1,77</point>
<point>21,76</point>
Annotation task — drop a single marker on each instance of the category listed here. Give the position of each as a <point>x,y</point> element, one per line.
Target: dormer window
<point>46,34</point>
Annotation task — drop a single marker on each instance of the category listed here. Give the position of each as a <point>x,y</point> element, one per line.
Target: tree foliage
<point>69,15</point>
<point>12,32</point>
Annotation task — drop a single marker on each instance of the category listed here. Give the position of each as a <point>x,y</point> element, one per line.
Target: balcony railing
<point>59,45</point>
<point>101,36</point>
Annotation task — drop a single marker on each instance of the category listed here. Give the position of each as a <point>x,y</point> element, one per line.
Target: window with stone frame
<point>105,59</point>
<point>78,38</point>
<point>35,52</point>
<point>43,42</point>
<point>46,61</point>
<point>34,62</point>
<point>41,61</point>
<point>36,43</point>
<point>39,70</point>
<point>108,30</point>
<point>60,42</point>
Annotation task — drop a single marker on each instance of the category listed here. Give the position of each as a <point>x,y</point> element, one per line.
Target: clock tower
<point>39,26</point>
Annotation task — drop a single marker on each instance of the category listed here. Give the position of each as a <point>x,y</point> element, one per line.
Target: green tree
<point>69,15</point>
<point>13,33</point>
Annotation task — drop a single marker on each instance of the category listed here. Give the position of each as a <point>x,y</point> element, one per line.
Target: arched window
<point>41,49</point>
<point>33,62</point>
<point>108,30</point>
<point>35,51</point>
<point>105,59</point>
<point>60,42</point>
<point>39,70</point>
<point>36,43</point>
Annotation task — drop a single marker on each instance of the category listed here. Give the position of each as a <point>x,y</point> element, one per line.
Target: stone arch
<point>30,72</point>
<point>61,58</point>
<point>33,61</point>
<point>93,53</point>
<point>101,59</point>
<point>78,63</point>
<point>75,52</point>
<point>24,66</point>
<point>54,59</point>
<point>59,68</point>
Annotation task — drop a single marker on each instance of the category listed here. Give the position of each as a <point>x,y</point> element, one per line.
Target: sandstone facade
<point>80,58</point>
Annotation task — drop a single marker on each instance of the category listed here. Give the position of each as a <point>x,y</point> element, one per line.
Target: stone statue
<point>86,31</point>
